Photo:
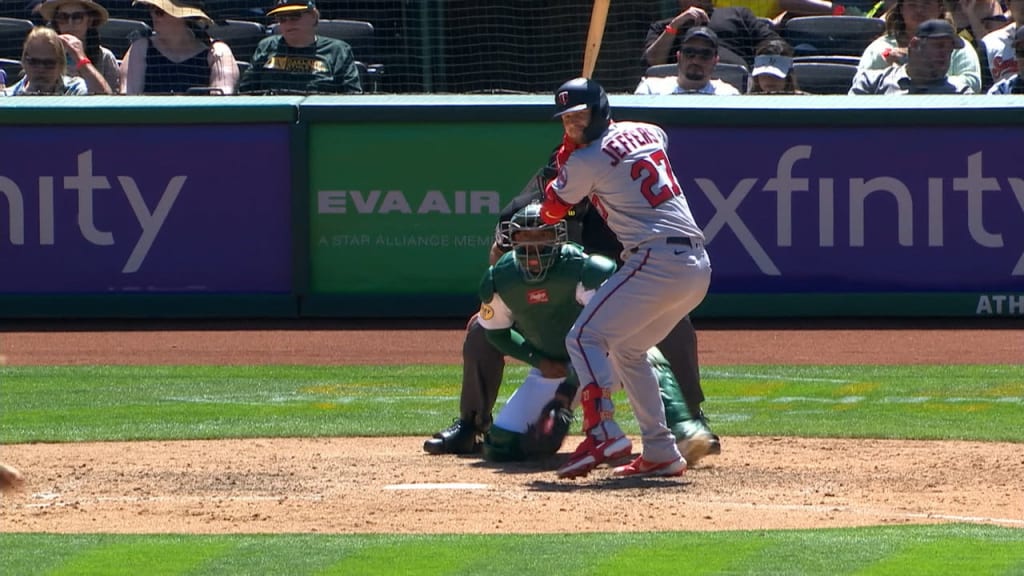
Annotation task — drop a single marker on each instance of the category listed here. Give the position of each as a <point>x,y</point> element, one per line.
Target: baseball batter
<point>529,300</point>
<point>624,169</point>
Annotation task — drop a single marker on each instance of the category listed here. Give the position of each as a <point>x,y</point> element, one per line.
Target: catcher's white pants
<point>525,404</point>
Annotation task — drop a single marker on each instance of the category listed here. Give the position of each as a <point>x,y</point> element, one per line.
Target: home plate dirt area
<point>389,485</point>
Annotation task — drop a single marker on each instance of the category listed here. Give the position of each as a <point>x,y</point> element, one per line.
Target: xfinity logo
<point>789,189</point>
<point>86,184</point>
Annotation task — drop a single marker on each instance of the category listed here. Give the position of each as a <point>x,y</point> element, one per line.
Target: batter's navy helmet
<point>582,93</point>
<point>537,245</point>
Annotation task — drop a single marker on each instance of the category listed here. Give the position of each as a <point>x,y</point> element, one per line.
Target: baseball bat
<point>598,16</point>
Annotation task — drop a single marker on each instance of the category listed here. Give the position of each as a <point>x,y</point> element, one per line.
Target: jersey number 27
<point>652,171</point>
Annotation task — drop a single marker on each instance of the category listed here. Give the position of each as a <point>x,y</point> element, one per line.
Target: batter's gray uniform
<point>627,175</point>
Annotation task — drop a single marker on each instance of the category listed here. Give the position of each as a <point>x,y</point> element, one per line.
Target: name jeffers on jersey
<point>626,141</point>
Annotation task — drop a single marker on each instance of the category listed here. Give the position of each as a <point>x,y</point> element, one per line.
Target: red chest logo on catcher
<point>537,296</point>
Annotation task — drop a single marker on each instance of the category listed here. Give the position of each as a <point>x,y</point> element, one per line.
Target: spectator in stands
<point>773,69</point>
<point>179,56</point>
<point>739,32</point>
<point>926,69</point>
<point>696,63</point>
<point>974,19</point>
<point>297,59</point>
<point>45,64</point>
<point>998,45</point>
<point>76,22</point>
<point>1012,84</point>
<point>891,48</point>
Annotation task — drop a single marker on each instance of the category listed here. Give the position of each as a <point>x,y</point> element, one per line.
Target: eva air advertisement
<point>409,212</point>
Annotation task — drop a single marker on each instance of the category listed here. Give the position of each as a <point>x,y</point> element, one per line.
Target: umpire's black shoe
<point>459,438</point>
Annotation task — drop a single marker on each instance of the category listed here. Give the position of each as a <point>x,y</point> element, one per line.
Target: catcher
<point>483,364</point>
<point>530,298</point>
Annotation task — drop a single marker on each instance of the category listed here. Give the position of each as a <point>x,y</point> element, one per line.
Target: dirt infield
<point>364,485</point>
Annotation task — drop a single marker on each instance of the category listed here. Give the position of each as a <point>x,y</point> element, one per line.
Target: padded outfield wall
<point>385,205</point>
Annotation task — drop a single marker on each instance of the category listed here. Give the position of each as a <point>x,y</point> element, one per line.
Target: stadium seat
<point>240,35</point>
<point>12,68</point>
<point>734,74</point>
<point>833,59</point>
<point>661,70</point>
<point>12,36</point>
<point>352,31</point>
<point>117,34</point>
<point>824,77</point>
<point>370,76</point>
<point>221,10</point>
<point>832,35</point>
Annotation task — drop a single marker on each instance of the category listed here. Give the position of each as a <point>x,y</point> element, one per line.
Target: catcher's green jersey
<point>542,312</point>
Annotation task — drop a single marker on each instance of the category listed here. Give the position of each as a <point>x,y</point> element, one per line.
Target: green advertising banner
<point>407,211</point>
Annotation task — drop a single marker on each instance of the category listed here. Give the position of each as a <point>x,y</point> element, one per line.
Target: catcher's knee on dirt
<point>501,445</point>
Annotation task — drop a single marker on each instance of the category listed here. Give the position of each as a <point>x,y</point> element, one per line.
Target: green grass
<point>72,404</point>
<point>903,551</point>
<point>68,404</point>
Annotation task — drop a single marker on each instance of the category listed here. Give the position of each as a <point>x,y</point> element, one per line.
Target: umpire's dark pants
<point>483,365</point>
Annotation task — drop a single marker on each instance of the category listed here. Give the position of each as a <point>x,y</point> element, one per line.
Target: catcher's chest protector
<point>543,311</point>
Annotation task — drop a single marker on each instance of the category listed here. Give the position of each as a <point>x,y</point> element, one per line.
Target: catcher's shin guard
<point>693,438</point>
<point>502,445</point>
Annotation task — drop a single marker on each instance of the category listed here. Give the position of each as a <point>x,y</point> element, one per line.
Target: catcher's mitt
<point>544,437</point>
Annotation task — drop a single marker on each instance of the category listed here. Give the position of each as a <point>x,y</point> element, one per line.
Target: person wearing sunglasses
<point>44,64</point>
<point>297,59</point>
<point>180,57</point>
<point>697,58</point>
<point>77,23</point>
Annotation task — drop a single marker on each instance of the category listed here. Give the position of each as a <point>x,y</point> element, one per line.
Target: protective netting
<point>494,46</point>
<point>440,46</point>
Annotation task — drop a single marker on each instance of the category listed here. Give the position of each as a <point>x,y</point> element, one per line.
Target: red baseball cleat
<point>639,468</point>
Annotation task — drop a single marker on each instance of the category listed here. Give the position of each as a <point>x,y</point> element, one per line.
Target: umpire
<point>483,365</point>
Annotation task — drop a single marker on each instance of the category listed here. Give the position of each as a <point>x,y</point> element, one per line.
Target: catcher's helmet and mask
<point>580,94</point>
<point>537,245</point>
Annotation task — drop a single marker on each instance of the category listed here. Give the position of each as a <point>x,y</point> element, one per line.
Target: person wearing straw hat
<point>180,56</point>
<point>77,22</point>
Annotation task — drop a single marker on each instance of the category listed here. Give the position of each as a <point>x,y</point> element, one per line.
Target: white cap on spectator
<point>775,64</point>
